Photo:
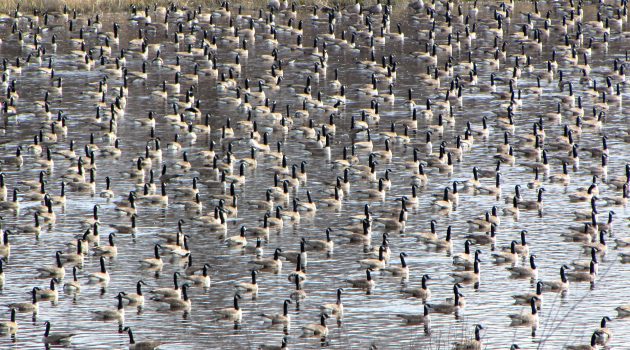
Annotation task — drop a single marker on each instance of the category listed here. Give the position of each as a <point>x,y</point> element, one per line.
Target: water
<point>368,319</point>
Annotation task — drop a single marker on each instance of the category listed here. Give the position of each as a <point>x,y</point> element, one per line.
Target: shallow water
<point>369,319</point>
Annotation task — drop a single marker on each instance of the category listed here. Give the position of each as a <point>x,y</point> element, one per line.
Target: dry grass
<point>91,6</point>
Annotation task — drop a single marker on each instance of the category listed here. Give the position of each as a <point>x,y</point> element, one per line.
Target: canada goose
<point>237,241</point>
<point>558,285</point>
<point>422,292</point>
<point>317,244</point>
<point>109,251</point>
<point>585,265</point>
<point>591,346</point>
<point>56,270</point>
<point>175,292</point>
<point>141,345</point>
<point>525,319</point>
<point>583,276</point>
<point>505,256</point>
<point>175,303</point>
<point>203,279</point>
<point>280,319</point>
<point>32,307</point>
<point>234,313</point>
<point>425,236</point>
<point>402,270</point>
<point>274,264</point>
<point>49,294</point>
<point>484,239</point>
<point>450,307</point>
<point>317,329</point>
<point>155,262</point>
<point>468,276</point>
<point>117,314</point>
<point>363,283</point>
<point>137,298</point>
<point>56,338</point>
<point>374,264</point>
<point>102,276</point>
<point>283,346</point>
<point>9,327</point>
<point>443,244</point>
<point>525,299</point>
<point>471,344</point>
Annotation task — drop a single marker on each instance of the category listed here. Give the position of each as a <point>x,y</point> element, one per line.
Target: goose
<point>443,244</point>
<point>102,276</point>
<point>137,298</point>
<point>155,262</point>
<point>5,245</point>
<point>56,338</point>
<point>468,276</point>
<point>280,319</point>
<point>109,251</point>
<point>11,326</point>
<point>558,285</point>
<point>237,241</point>
<point>175,292</point>
<point>484,238</point>
<point>583,276</point>
<point>274,264</point>
<point>117,314</point>
<point>525,299</point>
<point>317,329</point>
<point>175,303</point>
<point>525,319</point>
<point>450,307</point>
<point>56,270</point>
<point>363,283</point>
<point>426,237</point>
<point>505,256</point>
<point>248,287</point>
<point>334,308</point>
<point>585,265</point>
<point>234,313</point>
<point>321,245</point>
<point>591,346</point>
<point>605,333</point>
<point>414,319</point>
<point>623,311</point>
<point>423,292</point>
<point>146,344</point>
<point>203,279</point>
<point>601,245</point>
<point>402,270</point>
<point>374,264</point>
<point>530,271</point>
<point>32,307</point>
<point>471,344</point>
<point>49,294</point>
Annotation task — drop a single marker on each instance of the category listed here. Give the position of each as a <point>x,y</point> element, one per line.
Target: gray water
<point>369,319</point>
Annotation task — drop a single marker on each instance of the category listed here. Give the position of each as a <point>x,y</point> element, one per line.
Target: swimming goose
<point>117,314</point>
<point>558,285</point>
<point>232,313</point>
<point>317,329</point>
<point>49,294</point>
<point>146,344</point>
<point>274,264</point>
<point>471,344</point>
<point>317,244</point>
<point>374,264</point>
<point>583,276</point>
<point>280,319</point>
<point>363,283</point>
<point>591,346</point>
<point>102,276</point>
<point>525,299</point>
<point>402,270</point>
<point>525,319</point>
<point>155,262</point>
<point>137,298</point>
<point>56,270</point>
<point>468,276</point>
<point>484,238</point>
<point>9,327</point>
<point>505,256</point>
<point>175,292</point>
<point>237,241</point>
<point>56,338</point>
<point>109,251</point>
<point>248,287</point>
<point>203,279</point>
<point>334,308</point>
<point>422,292</point>
<point>175,303</point>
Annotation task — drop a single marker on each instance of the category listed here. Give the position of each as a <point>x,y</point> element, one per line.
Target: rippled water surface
<point>369,318</point>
